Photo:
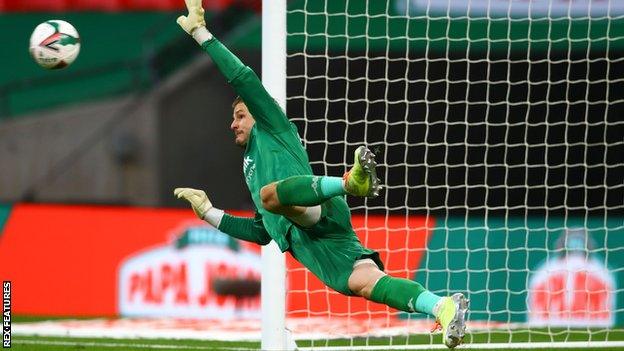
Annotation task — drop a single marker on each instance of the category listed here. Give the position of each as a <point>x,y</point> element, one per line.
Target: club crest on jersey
<point>249,168</point>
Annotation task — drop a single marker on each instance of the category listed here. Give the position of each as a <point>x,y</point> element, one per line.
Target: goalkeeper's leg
<point>308,190</point>
<point>409,296</point>
<point>306,216</point>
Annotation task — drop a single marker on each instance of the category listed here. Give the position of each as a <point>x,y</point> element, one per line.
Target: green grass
<point>32,343</point>
<point>26,318</point>
<point>107,344</point>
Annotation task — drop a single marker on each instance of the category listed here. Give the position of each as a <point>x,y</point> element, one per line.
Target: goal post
<point>273,288</point>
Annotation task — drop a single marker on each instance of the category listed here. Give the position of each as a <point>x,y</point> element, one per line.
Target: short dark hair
<point>237,101</point>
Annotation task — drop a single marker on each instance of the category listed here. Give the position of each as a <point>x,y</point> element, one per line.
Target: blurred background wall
<point>143,110</point>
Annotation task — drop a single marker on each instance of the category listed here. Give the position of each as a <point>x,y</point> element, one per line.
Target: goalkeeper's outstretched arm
<point>243,228</point>
<point>262,106</point>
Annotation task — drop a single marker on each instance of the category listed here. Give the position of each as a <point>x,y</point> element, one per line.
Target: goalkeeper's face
<point>242,123</point>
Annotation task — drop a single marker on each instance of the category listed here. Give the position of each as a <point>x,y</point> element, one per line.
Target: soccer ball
<point>54,44</point>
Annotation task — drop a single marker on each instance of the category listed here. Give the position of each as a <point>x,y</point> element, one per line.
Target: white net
<point>499,130</point>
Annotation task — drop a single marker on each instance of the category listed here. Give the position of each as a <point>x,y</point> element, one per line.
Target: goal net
<point>499,129</point>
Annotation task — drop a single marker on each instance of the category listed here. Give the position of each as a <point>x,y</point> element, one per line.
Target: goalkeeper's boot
<point>361,179</point>
<point>452,319</point>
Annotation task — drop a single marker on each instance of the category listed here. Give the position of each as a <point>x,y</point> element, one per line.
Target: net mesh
<point>499,130</point>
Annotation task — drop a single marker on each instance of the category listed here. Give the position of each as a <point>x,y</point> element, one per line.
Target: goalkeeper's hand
<point>195,24</point>
<point>197,198</point>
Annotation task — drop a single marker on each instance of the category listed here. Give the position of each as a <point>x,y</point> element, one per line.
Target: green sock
<point>308,190</point>
<point>399,293</point>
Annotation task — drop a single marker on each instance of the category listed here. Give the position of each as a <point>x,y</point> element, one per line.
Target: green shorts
<point>330,247</point>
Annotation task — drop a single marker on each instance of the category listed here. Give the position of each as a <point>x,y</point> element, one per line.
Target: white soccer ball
<point>54,44</point>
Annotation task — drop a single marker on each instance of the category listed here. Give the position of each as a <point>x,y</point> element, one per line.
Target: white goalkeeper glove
<point>195,24</point>
<point>201,205</point>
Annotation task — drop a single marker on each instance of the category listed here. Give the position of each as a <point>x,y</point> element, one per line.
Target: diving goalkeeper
<point>305,214</point>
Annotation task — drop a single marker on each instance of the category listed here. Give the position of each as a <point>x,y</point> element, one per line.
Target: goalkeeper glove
<point>194,24</point>
<point>201,205</point>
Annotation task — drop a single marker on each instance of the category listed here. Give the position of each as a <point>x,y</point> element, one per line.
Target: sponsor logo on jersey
<point>246,162</point>
<point>574,288</point>
<point>249,168</point>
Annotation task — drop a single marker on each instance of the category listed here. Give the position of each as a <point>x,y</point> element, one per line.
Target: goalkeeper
<point>306,215</point>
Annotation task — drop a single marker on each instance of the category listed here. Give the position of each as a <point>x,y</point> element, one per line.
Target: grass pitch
<point>27,343</point>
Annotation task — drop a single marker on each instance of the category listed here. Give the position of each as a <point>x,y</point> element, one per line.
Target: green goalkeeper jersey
<point>274,150</point>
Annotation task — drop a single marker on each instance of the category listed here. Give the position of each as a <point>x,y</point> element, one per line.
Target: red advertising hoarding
<point>111,261</point>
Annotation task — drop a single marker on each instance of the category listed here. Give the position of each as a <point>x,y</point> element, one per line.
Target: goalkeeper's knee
<point>364,277</point>
<point>270,201</point>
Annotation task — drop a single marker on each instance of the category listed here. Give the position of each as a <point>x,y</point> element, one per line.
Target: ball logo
<point>574,288</point>
<point>203,274</point>
<point>54,44</point>
<point>58,39</point>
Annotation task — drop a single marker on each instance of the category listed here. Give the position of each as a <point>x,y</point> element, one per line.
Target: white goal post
<point>273,290</point>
